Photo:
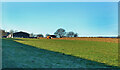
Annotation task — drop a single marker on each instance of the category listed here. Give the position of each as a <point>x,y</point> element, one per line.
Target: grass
<point>18,55</point>
<point>103,52</point>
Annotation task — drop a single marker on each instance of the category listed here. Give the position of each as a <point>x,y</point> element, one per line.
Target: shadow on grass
<point>18,55</point>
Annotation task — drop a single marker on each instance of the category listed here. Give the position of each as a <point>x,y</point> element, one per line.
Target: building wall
<point>21,35</point>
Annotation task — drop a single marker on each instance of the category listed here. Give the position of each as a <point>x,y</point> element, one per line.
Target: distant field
<point>99,50</point>
<point>112,40</point>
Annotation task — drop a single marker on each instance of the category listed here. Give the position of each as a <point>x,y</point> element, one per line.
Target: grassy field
<point>18,55</point>
<point>102,52</point>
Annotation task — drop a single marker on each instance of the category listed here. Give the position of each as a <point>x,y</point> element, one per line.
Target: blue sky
<point>84,18</point>
<point>59,0</point>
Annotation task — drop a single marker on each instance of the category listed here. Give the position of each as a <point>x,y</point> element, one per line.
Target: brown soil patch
<point>112,40</point>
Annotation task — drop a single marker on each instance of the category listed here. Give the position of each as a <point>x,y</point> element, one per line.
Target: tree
<point>47,35</point>
<point>11,31</point>
<point>16,31</point>
<point>75,35</point>
<point>70,34</point>
<point>60,32</point>
<point>31,35</point>
<point>40,35</point>
<point>34,35</point>
<point>67,35</point>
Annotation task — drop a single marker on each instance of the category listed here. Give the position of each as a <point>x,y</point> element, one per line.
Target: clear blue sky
<point>84,18</point>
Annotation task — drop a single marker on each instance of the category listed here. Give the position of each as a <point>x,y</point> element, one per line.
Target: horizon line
<point>59,1</point>
<point>78,34</point>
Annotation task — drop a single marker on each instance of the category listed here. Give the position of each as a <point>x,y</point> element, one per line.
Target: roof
<point>52,35</point>
<point>21,32</point>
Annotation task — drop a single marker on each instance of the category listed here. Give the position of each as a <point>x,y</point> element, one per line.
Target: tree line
<point>59,33</point>
<point>62,33</point>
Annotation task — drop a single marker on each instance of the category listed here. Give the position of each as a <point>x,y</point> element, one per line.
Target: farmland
<point>111,40</point>
<point>70,52</point>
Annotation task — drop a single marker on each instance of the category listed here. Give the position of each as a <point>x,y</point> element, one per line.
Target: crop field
<point>111,40</point>
<point>94,53</point>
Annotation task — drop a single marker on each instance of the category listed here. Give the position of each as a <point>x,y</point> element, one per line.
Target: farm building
<point>3,33</point>
<point>10,36</point>
<point>51,36</point>
<point>18,35</point>
<point>21,35</point>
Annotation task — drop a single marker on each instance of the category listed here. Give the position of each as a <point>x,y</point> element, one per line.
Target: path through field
<point>17,55</point>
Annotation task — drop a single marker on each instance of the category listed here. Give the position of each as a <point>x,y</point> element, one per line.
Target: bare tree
<point>60,32</point>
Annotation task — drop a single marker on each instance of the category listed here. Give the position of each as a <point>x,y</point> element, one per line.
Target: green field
<point>101,52</point>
